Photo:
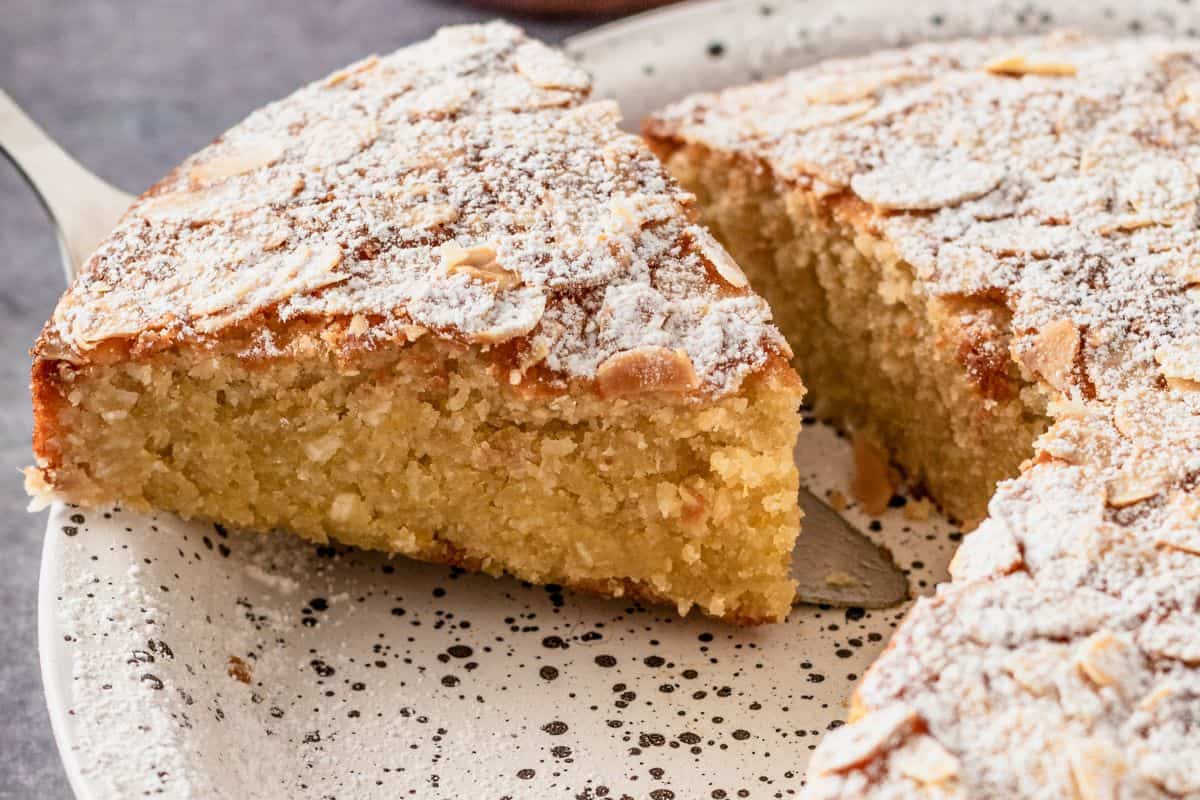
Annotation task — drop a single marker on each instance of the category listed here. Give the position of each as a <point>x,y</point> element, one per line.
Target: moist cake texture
<point>437,304</point>
<point>995,245</point>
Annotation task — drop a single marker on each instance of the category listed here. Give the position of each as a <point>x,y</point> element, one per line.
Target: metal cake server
<point>833,564</point>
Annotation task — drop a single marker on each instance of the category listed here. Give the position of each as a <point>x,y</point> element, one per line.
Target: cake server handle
<point>84,208</point>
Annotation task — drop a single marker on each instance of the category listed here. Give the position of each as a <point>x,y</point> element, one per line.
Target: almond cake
<point>437,304</point>
<point>986,257</point>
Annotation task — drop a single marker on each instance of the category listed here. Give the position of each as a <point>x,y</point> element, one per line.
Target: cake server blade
<point>833,564</point>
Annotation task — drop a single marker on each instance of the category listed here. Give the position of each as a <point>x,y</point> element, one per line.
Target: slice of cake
<point>985,253</point>
<point>437,304</point>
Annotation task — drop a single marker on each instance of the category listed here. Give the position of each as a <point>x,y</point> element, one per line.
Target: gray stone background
<point>130,88</point>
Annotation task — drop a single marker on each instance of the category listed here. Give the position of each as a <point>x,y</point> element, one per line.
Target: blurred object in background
<point>571,7</point>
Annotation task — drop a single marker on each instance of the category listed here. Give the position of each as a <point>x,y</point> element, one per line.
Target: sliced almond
<point>491,273</point>
<point>848,87</point>
<point>270,280</point>
<point>631,212</point>
<point>625,219</point>
<point>1108,660</point>
<point>1162,190</point>
<point>342,75</point>
<point>647,369</point>
<point>1017,65</point>
<point>925,180</point>
<point>477,262</point>
<point>1034,667</point>
<point>546,68</point>
<point>1173,637</point>
<point>1097,768</point>
<point>454,255</point>
<point>428,215</point>
<point>722,263</point>
<point>928,763</point>
<point>1052,353</point>
<point>1179,359</point>
<point>989,552</point>
<point>238,162</point>
<point>439,100</point>
<point>854,745</point>
<point>812,117</point>
<point>1181,529</point>
<point>1135,483</point>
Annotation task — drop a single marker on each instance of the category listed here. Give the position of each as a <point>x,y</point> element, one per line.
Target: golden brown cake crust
<point>464,187</point>
<point>1054,177</point>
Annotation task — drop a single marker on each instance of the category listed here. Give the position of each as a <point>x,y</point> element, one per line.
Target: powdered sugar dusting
<point>336,202</point>
<point>1055,176</point>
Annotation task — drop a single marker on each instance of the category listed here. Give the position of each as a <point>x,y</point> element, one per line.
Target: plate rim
<point>53,663</point>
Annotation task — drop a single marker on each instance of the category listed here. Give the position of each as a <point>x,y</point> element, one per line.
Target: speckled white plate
<point>184,660</point>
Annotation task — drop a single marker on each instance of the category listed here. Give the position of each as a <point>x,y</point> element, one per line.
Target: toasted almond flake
<point>491,273</point>
<point>454,255</point>
<point>1155,697</point>
<point>1134,484</point>
<point>647,369</point>
<point>1130,415</point>
<point>989,552</point>
<point>1052,352</point>
<point>478,263</point>
<point>927,762</point>
<point>545,69</point>
<point>441,100</point>
<point>236,163</point>
<point>843,88</point>
<point>276,277</point>
<point>342,75</point>
<point>1173,637</point>
<point>1179,359</point>
<point>1162,190</point>
<point>1034,667</point>
<point>1181,529</point>
<point>358,325</point>
<point>275,237</point>
<point>855,744</point>
<point>923,180</point>
<point>625,218</point>
<point>429,215</point>
<point>1110,660</point>
<point>722,263</point>
<point>1125,224</point>
<point>817,116</point>
<point>1018,65</point>
<point>1096,769</point>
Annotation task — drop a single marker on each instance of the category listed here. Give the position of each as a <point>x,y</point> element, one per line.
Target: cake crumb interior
<point>930,378</point>
<point>421,452</point>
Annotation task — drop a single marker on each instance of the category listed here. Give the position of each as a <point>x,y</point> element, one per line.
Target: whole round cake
<point>985,256</point>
